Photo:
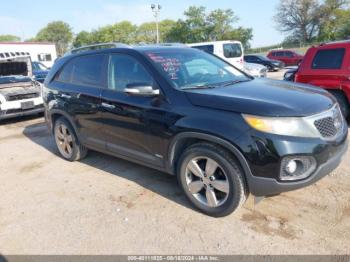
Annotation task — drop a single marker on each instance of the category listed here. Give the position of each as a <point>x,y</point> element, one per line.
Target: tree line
<point>197,25</point>
<point>303,22</point>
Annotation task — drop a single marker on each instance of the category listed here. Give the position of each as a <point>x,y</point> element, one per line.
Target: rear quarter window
<point>84,70</point>
<point>328,59</point>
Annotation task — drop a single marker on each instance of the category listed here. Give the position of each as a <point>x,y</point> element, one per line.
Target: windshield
<point>190,68</point>
<point>13,79</point>
<point>39,66</point>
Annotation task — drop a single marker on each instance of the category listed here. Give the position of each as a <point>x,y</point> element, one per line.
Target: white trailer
<point>39,52</point>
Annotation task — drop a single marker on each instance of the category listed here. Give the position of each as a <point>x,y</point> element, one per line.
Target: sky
<point>25,18</point>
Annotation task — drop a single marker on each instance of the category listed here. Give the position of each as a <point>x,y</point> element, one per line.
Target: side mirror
<point>141,90</point>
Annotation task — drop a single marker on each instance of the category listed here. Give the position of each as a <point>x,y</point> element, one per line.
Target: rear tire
<point>67,142</point>
<point>218,188</point>
<point>342,101</point>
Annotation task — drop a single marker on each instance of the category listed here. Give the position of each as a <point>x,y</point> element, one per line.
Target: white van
<point>231,51</point>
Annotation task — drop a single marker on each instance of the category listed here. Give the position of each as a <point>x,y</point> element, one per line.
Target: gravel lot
<point>104,205</point>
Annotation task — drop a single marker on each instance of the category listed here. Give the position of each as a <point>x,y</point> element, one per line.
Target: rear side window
<point>328,59</point>
<point>206,48</point>
<point>232,50</point>
<point>84,70</point>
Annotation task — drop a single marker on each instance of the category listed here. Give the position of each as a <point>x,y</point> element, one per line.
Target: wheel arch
<point>182,140</point>
<point>56,114</point>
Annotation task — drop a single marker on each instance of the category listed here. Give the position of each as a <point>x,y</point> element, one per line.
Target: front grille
<point>330,126</point>
<point>22,96</point>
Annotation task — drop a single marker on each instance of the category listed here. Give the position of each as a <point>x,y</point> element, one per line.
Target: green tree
<point>146,32</point>
<point>9,38</point>
<point>124,32</point>
<point>82,38</point>
<point>198,26</point>
<point>335,20</point>
<point>219,23</point>
<point>57,32</point>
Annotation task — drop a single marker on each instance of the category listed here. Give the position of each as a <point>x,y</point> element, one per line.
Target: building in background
<point>39,52</point>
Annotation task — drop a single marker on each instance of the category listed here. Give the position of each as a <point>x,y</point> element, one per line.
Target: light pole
<point>156,10</point>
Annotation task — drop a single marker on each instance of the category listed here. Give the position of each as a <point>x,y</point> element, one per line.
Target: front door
<point>126,117</point>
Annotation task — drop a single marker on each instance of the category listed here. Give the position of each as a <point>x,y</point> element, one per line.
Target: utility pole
<point>156,9</point>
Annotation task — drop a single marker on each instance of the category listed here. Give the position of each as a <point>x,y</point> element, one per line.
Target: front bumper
<point>11,109</point>
<point>263,186</point>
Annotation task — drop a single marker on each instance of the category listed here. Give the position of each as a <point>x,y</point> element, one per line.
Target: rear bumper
<point>262,186</point>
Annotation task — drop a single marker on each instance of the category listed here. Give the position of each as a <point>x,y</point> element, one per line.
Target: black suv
<point>272,65</point>
<point>190,114</point>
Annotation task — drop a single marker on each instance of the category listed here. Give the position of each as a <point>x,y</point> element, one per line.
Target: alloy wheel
<point>207,182</point>
<point>64,140</point>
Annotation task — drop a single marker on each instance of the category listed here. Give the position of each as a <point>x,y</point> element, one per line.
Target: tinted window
<point>126,71</point>
<point>329,59</point>
<point>206,48</point>
<point>288,54</point>
<point>88,70</point>
<point>84,70</point>
<point>279,54</point>
<point>66,73</point>
<point>232,50</point>
<point>251,59</point>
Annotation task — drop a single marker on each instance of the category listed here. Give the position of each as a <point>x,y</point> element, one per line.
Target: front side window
<point>189,68</point>
<point>329,59</point>
<point>125,71</point>
<point>232,50</point>
<point>206,48</point>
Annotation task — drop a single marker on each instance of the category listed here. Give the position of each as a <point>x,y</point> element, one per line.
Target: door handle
<point>108,106</point>
<point>66,96</point>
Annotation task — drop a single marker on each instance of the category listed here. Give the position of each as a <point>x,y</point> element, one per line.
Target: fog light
<point>291,167</point>
<point>297,167</point>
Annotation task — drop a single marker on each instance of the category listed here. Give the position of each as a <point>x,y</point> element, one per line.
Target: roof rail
<point>97,47</point>
<point>162,44</point>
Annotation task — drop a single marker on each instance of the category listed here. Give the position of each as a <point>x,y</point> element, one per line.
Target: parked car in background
<point>328,66</point>
<point>231,51</point>
<point>255,70</point>
<point>19,93</point>
<point>40,71</point>
<point>188,113</point>
<point>288,57</point>
<point>271,65</point>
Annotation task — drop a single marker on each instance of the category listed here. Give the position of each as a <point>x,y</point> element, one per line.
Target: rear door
<point>126,117</point>
<point>79,86</point>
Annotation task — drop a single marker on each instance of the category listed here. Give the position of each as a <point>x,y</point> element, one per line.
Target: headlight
<point>285,126</point>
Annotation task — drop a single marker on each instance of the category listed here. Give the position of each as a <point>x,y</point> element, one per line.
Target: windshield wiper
<point>233,82</point>
<point>198,87</point>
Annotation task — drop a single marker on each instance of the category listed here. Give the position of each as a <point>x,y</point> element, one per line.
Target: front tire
<point>67,142</point>
<point>211,179</point>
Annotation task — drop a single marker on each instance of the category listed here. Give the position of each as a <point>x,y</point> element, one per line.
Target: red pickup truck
<point>328,66</point>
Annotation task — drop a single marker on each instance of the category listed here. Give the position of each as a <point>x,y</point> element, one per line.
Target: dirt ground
<point>104,205</point>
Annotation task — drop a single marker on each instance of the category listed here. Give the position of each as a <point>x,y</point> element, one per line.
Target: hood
<point>264,97</point>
